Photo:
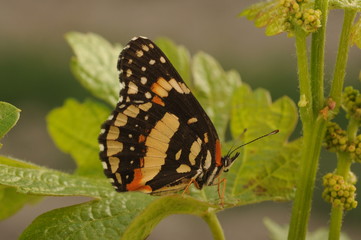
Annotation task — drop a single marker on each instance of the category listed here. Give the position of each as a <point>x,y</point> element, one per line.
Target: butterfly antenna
<point>230,150</point>
<point>268,134</point>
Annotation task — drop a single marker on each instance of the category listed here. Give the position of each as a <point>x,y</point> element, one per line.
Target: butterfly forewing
<point>158,138</point>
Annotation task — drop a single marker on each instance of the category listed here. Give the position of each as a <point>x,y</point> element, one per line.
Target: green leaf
<point>278,232</point>
<point>267,14</point>
<point>124,216</point>
<point>9,115</point>
<point>10,200</point>
<point>267,169</point>
<point>352,5</point>
<point>178,55</point>
<point>74,128</point>
<point>207,77</point>
<point>17,163</point>
<point>356,33</point>
<point>94,65</point>
<point>52,183</point>
<point>102,219</point>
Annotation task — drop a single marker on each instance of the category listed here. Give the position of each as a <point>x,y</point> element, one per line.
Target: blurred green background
<point>35,77</point>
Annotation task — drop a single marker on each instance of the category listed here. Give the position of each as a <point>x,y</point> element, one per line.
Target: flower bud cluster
<point>339,192</point>
<point>336,141</point>
<point>351,102</point>
<point>306,18</point>
<point>309,20</point>
<point>335,138</point>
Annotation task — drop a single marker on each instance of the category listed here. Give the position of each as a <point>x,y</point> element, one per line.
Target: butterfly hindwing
<point>158,138</point>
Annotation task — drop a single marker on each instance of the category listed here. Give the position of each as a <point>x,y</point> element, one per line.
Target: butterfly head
<point>228,160</point>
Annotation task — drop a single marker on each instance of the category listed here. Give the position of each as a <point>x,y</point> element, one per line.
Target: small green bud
<point>342,140</point>
<point>331,181</point>
<point>336,187</point>
<point>351,148</point>
<point>333,194</point>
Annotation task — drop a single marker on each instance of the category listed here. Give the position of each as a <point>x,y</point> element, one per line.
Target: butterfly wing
<point>158,138</point>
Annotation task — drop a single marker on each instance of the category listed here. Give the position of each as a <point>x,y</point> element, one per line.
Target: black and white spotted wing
<point>158,138</point>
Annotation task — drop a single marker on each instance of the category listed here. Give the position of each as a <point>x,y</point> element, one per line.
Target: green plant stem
<point>342,56</point>
<point>313,129</point>
<point>304,76</point>
<point>344,162</point>
<point>211,219</point>
<point>311,149</point>
<point>352,128</point>
<point>318,58</point>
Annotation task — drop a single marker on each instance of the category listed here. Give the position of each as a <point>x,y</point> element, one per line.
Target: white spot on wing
<point>206,137</point>
<point>129,73</point>
<point>119,178</point>
<point>183,168</point>
<point>105,165</point>
<point>143,80</point>
<point>208,160</point>
<point>148,95</point>
<point>114,164</point>
<point>114,147</point>
<point>192,120</point>
<point>175,85</point>
<point>178,154</point>
<point>139,53</point>
<point>145,107</point>
<point>121,120</point>
<point>131,111</point>
<point>132,88</point>
<point>145,48</point>
<point>184,88</point>
<point>195,150</point>
<point>164,83</point>
<point>101,147</point>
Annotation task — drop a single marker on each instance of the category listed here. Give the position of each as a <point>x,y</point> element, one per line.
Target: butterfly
<point>158,139</point>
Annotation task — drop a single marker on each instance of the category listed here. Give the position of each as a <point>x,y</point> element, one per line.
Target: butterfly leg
<point>221,191</point>
<point>186,190</point>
